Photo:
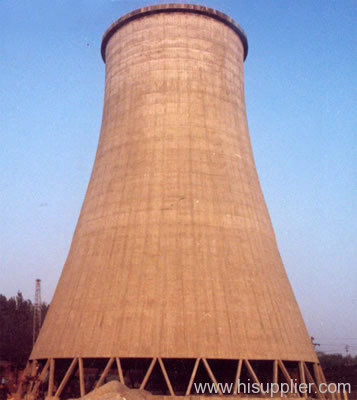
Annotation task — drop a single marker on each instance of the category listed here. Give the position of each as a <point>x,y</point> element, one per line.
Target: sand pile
<point>115,390</point>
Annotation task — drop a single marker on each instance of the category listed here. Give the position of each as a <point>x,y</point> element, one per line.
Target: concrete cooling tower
<point>173,277</point>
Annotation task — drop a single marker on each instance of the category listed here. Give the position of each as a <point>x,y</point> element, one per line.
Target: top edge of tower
<point>175,7</point>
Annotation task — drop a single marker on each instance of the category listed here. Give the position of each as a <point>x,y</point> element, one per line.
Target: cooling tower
<point>174,273</point>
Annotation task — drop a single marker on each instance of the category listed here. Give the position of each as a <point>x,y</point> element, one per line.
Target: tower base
<point>171,378</point>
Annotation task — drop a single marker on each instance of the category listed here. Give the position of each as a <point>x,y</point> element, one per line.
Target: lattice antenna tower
<point>37,311</point>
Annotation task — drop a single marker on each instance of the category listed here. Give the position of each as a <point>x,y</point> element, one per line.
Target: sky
<point>300,88</point>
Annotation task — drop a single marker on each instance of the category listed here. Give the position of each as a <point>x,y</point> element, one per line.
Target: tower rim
<point>169,8</point>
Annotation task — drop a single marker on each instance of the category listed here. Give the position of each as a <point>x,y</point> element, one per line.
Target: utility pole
<point>313,342</point>
<point>37,311</point>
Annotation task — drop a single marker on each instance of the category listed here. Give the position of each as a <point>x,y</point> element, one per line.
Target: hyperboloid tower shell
<point>174,276</point>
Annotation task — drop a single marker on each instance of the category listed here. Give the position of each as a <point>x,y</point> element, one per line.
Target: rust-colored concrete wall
<point>174,254</point>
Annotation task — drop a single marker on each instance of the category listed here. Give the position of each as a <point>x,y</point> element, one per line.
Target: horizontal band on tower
<point>161,8</point>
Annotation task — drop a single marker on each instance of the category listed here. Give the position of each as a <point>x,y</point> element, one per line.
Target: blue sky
<point>300,85</point>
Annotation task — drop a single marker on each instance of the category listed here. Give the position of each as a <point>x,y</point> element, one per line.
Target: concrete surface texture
<point>174,253</point>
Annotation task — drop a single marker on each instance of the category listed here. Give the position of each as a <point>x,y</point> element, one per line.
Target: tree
<point>16,327</point>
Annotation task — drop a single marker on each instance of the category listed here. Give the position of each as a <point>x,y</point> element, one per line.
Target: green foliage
<point>16,329</point>
<point>340,368</point>
<point>336,360</point>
